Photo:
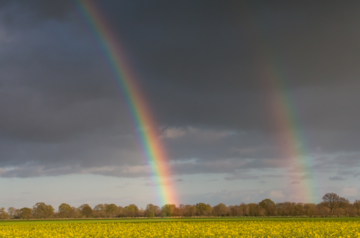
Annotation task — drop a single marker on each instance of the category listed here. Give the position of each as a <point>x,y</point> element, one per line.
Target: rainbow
<point>150,140</point>
<point>284,115</point>
<point>290,135</point>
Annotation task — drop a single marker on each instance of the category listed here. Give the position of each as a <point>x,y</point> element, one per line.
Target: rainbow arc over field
<point>151,143</point>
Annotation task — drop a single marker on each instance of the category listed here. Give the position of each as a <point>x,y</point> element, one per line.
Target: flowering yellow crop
<point>187,229</point>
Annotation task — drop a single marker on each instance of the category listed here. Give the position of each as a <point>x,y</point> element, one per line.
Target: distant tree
<point>74,212</point>
<point>299,209</point>
<point>293,211</point>
<point>41,210</point>
<point>64,210</point>
<point>25,213</point>
<point>3,213</point>
<point>99,210</point>
<point>339,212</point>
<point>99,207</point>
<point>244,209</point>
<point>323,210</point>
<point>343,203</point>
<point>269,206</point>
<point>111,209</point>
<point>220,210</point>
<point>12,212</point>
<point>351,211</point>
<point>17,213</point>
<point>280,208</point>
<point>131,210</point>
<point>356,205</point>
<point>189,210</point>
<point>203,209</point>
<point>266,203</point>
<point>85,210</point>
<point>150,214</point>
<point>255,210</point>
<point>141,212</point>
<point>234,210</point>
<point>286,209</point>
<point>331,200</point>
<point>310,209</point>
<point>169,210</point>
<point>152,210</point>
<point>121,211</point>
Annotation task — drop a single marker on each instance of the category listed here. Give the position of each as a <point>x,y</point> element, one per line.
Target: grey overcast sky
<point>205,69</point>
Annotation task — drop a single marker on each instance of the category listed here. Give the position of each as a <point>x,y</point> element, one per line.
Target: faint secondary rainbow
<point>290,132</point>
<point>291,138</point>
<point>140,113</point>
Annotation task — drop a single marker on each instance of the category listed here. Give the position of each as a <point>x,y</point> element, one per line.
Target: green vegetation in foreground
<point>147,220</point>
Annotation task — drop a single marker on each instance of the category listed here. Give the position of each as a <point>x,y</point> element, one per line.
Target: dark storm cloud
<point>204,68</point>
<point>37,9</point>
<point>54,85</point>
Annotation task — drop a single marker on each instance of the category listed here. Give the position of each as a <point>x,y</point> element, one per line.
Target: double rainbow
<point>284,114</point>
<point>150,140</point>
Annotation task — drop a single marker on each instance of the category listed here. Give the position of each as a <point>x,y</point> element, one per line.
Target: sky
<point>251,99</point>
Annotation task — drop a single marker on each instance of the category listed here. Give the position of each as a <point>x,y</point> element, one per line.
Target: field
<point>230,227</point>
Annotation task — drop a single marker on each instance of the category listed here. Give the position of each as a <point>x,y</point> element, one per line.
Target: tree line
<point>331,205</point>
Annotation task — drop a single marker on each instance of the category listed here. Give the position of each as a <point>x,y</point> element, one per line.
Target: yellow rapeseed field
<point>187,229</point>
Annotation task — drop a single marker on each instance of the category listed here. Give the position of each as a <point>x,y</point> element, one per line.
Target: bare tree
<point>220,210</point>
<point>74,212</point>
<point>331,200</point>
<point>12,211</point>
<point>351,210</point>
<point>99,210</point>
<point>151,210</point>
<point>86,210</point>
<point>3,213</point>
<point>189,210</point>
<point>234,210</point>
<point>324,210</point>
<point>121,211</point>
<point>356,205</point>
<point>244,209</point>
<point>343,203</point>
